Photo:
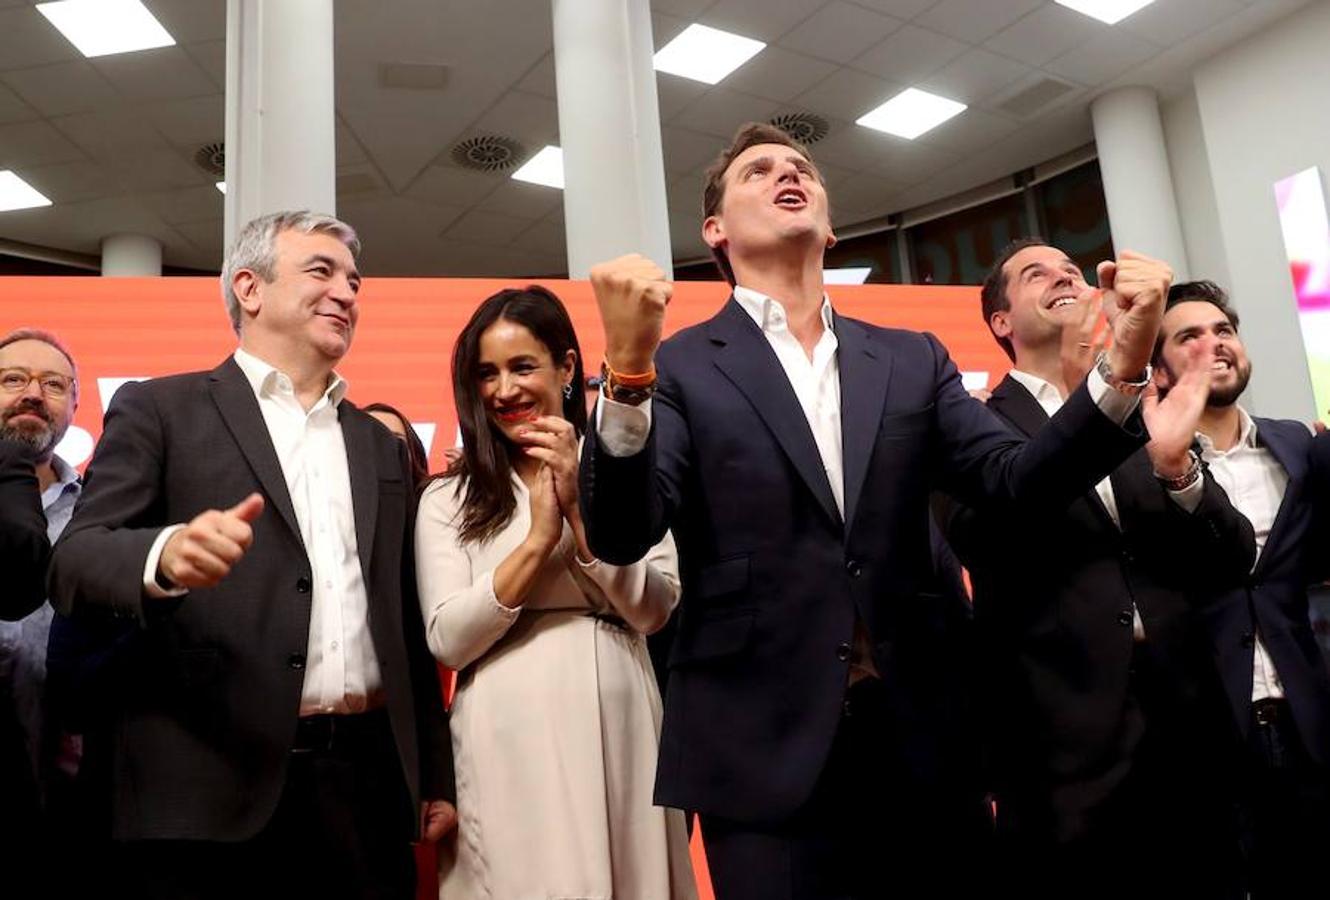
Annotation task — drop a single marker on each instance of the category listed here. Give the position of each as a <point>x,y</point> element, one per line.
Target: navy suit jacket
<point>1273,598</point>
<point>774,578</point>
<point>24,550</point>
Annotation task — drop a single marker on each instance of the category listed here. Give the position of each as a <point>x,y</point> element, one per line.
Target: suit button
<point>302,585</point>
<point>296,661</point>
<point>1249,640</point>
<point>843,652</point>
<point>853,568</point>
<point>1125,617</point>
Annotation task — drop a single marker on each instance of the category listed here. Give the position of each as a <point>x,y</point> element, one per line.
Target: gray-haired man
<point>280,718</point>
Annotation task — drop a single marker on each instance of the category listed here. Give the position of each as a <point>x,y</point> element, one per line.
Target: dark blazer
<point>1053,596</point>
<point>24,549</point>
<point>1273,597</point>
<point>773,579</point>
<point>209,684</point>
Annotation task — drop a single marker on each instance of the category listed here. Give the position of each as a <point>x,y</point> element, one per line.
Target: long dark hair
<point>415,450</point>
<point>484,469</point>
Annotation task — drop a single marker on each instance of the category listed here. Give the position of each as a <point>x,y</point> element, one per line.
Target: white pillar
<point>1138,184</point>
<point>280,135</point>
<point>609,129</point>
<point>131,256</point>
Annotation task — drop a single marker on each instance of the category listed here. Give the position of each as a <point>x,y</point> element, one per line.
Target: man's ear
<point>245,285</point>
<point>1000,323</point>
<point>713,232</point>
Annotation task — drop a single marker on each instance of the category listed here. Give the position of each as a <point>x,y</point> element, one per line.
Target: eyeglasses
<point>53,384</point>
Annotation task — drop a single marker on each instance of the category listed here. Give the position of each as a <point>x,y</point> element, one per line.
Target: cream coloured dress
<point>556,718</point>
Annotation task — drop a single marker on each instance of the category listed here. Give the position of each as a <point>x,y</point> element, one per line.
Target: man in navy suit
<point>1273,672</point>
<point>792,452</point>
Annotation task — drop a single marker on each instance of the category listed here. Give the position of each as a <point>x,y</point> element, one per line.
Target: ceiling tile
<point>840,31</point>
<point>866,193</point>
<point>972,130</point>
<point>108,133</point>
<point>481,227</point>
<point>684,9</point>
<point>765,21</point>
<point>207,237</point>
<point>910,162</point>
<point>349,150</point>
<point>1044,34</point>
<point>12,107</point>
<point>211,57</point>
<point>189,21</point>
<point>530,118</point>
<point>27,39</point>
<point>1105,57</point>
<point>674,93</point>
<point>721,112</point>
<point>688,151</point>
<point>452,186</point>
<point>1169,23</point>
<point>72,182</point>
<point>911,54</point>
<point>192,204</point>
<point>847,94</point>
<point>973,76</point>
<point>521,199</point>
<point>190,123</point>
<point>34,144</point>
<point>157,170</point>
<point>62,88</point>
<point>975,20</point>
<point>901,9</point>
<point>163,74</point>
<point>854,147</point>
<point>546,236</point>
<point>540,79</point>
<point>779,74</point>
<point>665,28</point>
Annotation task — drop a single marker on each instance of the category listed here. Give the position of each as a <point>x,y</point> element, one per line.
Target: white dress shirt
<point>341,669</point>
<point>1051,401</point>
<point>1255,482</point>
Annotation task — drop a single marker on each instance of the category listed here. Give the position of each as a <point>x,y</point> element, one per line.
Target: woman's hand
<point>552,440</point>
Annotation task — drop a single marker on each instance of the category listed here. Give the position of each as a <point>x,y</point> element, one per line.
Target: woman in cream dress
<point>556,717</point>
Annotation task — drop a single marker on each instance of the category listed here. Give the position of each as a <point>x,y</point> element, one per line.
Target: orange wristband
<point>632,381</point>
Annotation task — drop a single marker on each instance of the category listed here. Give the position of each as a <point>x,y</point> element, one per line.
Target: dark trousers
<point>342,829</point>
<point>868,831</point>
<point>1288,808</point>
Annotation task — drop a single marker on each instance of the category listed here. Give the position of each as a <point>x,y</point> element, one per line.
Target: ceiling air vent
<point>806,128</point>
<point>211,158</point>
<point>413,76</point>
<point>488,153</point>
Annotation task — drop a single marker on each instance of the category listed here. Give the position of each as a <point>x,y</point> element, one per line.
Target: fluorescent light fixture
<point>15,193</point>
<point>103,27</point>
<point>220,185</point>
<point>910,113</point>
<point>849,275</point>
<point>705,54</point>
<point>1109,12</point>
<point>546,168</point>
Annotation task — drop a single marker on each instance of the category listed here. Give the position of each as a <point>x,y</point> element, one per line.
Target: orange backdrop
<point>125,328</point>
<point>128,328</point>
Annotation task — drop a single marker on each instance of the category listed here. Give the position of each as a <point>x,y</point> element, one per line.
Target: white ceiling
<point>111,140</point>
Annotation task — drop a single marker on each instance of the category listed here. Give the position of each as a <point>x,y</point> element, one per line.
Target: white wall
<point>1264,114</point>
<point>1193,188</point>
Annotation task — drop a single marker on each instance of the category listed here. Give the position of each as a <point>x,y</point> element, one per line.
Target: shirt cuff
<point>622,427</point>
<point>1112,403</point>
<point>508,614</point>
<point>1189,498</point>
<point>150,586</point>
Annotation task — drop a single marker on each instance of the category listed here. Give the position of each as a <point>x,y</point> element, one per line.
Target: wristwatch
<point>1186,479</point>
<point>630,389</point>
<point>1122,386</point>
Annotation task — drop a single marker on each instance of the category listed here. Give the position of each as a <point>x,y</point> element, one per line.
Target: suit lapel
<point>360,457</point>
<point>239,409</point>
<point>865,372</point>
<point>1295,466</point>
<point>746,359</point>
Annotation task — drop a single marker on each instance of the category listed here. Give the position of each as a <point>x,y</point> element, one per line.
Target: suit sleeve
<point>985,465</point>
<point>98,561</point>
<point>1319,558</point>
<point>24,549</point>
<point>628,502</point>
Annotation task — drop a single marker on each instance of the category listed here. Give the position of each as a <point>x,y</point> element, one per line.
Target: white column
<point>131,256</point>
<point>1138,184</point>
<point>609,129</point>
<point>280,135</point>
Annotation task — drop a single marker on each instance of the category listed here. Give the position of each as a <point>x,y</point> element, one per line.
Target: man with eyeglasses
<point>38,396</point>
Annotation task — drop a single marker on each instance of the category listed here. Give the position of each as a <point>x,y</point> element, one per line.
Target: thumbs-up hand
<point>202,553</point>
